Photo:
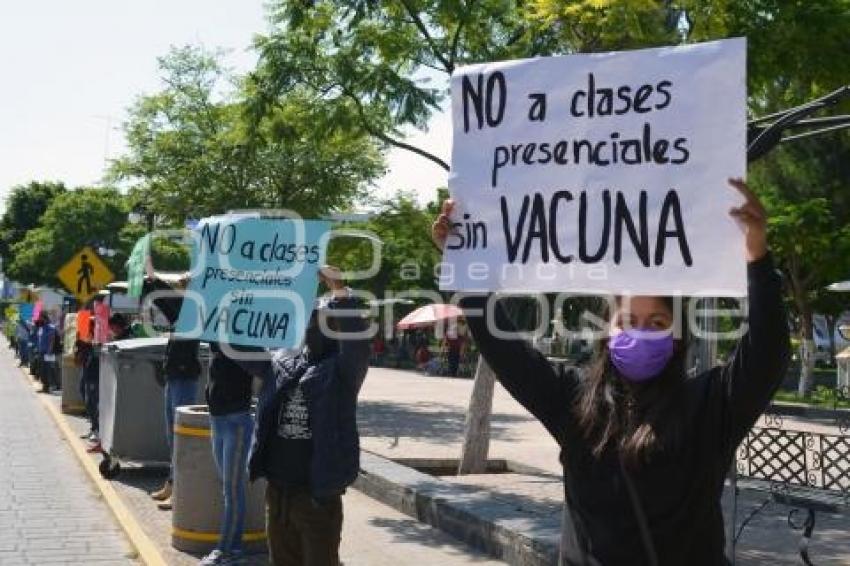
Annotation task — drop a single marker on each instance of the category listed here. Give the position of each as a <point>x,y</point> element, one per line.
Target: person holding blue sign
<point>306,442</point>
<point>645,448</point>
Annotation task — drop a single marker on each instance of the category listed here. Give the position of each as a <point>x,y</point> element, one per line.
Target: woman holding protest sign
<point>645,448</point>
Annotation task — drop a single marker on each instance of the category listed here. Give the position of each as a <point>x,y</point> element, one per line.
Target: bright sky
<point>71,69</point>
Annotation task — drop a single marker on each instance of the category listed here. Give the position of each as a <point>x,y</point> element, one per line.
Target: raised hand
<point>442,226</point>
<point>752,218</point>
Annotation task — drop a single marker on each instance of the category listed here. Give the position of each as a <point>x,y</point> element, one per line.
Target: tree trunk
<point>807,353</point>
<point>476,441</point>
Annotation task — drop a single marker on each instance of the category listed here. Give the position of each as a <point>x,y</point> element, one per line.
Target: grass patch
<point>822,397</point>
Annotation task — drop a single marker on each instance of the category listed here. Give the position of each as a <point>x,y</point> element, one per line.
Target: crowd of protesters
<point>37,346</point>
<point>301,437</point>
<point>645,448</point>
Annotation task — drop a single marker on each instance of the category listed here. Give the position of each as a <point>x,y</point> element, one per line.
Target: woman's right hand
<point>442,226</point>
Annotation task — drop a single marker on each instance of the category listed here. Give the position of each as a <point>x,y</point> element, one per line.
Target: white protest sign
<point>254,280</point>
<point>602,173</point>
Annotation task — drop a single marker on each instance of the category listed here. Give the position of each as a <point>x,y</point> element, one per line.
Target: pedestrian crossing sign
<point>85,274</point>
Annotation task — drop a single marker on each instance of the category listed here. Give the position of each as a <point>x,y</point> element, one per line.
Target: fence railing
<point>804,469</point>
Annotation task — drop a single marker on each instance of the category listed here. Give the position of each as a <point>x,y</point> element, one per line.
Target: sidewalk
<point>406,415</point>
<point>50,512</point>
<point>373,533</point>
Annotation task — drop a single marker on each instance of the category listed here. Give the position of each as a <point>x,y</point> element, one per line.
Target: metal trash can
<point>197,500</point>
<point>72,402</point>
<point>132,408</point>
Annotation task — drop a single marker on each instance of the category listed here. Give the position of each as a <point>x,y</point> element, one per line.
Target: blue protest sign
<point>254,280</point>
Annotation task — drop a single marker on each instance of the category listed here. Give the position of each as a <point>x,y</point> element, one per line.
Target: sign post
<point>84,275</point>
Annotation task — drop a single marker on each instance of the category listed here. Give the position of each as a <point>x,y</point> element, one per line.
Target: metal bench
<point>804,470</point>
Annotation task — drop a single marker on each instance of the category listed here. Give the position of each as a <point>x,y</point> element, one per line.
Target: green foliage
<point>822,396</point>
<point>24,207</point>
<point>407,255</point>
<point>372,61</point>
<point>168,255</point>
<point>192,153</point>
<point>595,25</point>
<point>73,219</point>
<point>803,188</point>
<point>796,50</point>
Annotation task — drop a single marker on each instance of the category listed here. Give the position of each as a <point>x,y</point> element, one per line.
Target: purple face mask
<point>639,354</point>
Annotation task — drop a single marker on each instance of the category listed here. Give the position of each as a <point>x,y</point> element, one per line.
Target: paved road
<point>50,512</point>
<point>404,414</point>
<point>373,533</point>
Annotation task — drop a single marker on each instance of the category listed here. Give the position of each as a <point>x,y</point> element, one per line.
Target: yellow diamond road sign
<point>85,274</point>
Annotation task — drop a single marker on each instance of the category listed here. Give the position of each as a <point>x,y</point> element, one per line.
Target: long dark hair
<point>636,419</point>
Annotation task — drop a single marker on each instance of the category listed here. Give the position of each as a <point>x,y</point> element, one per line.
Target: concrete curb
<point>146,550</point>
<point>468,515</point>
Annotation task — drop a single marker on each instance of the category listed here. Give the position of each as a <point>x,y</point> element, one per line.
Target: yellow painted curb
<point>146,549</point>
<point>192,431</point>
<point>196,536</point>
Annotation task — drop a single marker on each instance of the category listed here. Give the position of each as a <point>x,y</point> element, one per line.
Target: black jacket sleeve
<point>761,357</point>
<point>354,344</point>
<point>522,370</point>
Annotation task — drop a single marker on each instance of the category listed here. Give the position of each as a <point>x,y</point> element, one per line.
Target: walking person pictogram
<point>85,272</point>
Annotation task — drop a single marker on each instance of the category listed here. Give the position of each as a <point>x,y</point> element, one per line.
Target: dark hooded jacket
<point>331,384</point>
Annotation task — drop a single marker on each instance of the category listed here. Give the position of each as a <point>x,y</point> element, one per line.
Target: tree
<point>82,217</point>
<point>192,154</point>
<point>377,56</point>
<point>407,259</point>
<point>586,26</point>
<point>809,230</point>
<point>24,208</point>
<point>374,59</point>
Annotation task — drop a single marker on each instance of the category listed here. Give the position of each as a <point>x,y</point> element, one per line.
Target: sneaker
<point>219,558</point>
<point>165,505</point>
<point>164,492</point>
<point>95,447</point>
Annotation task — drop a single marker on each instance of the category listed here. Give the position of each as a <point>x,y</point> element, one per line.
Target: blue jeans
<point>179,391</point>
<point>231,440</point>
<point>24,351</point>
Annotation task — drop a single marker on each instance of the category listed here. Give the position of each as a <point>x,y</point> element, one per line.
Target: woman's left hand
<point>752,218</point>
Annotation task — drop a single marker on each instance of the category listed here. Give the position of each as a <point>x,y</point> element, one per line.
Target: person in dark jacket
<point>181,368</point>
<point>47,340</point>
<point>645,449</point>
<point>306,442</point>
